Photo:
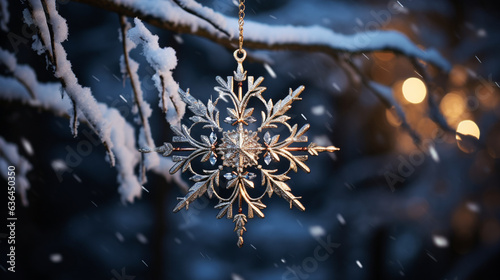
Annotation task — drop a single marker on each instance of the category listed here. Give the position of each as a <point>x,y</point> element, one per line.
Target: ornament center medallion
<point>240,148</point>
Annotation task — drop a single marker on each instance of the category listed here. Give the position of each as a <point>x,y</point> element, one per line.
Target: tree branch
<point>193,11</point>
<point>50,101</point>
<point>22,73</point>
<point>67,78</point>
<point>9,155</point>
<point>387,100</point>
<point>165,15</point>
<point>63,82</point>
<point>134,82</point>
<point>43,40</point>
<point>435,115</point>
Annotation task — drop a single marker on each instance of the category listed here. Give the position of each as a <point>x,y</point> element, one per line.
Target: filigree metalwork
<point>239,148</point>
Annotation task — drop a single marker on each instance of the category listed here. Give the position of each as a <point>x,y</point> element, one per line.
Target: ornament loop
<point>243,55</point>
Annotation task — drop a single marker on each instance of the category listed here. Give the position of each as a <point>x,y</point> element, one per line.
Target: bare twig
<point>51,33</point>
<point>173,104</point>
<point>133,82</point>
<point>137,96</point>
<point>75,117</point>
<point>48,52</point>
<point>163,94</point>
<point>142,170</point>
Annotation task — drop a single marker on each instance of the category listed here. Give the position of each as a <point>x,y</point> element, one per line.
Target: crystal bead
<point>213,137</point>
<point>197,178</point>
<point>212,159</point>
<point>250,176</point>
<point>267,137</point>
<point>267,159</point>
<point>228,176</point>
<point>251,119</point>
<point>228,120</point>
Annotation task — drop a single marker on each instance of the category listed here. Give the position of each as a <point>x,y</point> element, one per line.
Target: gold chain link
<point>240,23</point>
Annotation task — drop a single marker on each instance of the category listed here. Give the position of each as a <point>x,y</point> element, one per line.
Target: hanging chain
<point>241,15</point>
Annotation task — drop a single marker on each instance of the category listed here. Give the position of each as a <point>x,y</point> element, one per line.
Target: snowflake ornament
<point>239,149</point>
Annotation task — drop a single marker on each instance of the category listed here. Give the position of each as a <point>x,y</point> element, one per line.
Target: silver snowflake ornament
<point>239,149</point>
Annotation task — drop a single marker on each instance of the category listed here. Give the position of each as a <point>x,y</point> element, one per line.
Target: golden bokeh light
<point>458,75</point>
<point>414,90</point>
<point>468,127</point>
<point>452,106</point>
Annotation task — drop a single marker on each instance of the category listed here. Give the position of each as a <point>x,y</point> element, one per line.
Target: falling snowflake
<point>239,149</point>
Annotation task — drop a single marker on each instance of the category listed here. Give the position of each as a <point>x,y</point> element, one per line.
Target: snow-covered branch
<point>54,31</point>
<point>204,13</point>
<point>9,156</point>
<point>122,133</point>
<point>22,73</point>
<point>129,68</point>
<point>386,97</point>
<point>168,15</point>
<point>163,61</point>
<point>116,134</point>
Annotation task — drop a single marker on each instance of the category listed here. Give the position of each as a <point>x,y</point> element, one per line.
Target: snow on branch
<point>35,15</point>
<point>4,15</point>
<point>23,73</point>
<point>163,61</point>
<point>9,156</point>
<point>49,97</point>
<point>121,133</point>
<point>129,68</point>
<point>167,15</point>
<point>204,13</point>
<point>83,100</point>
<point>115,133</point>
